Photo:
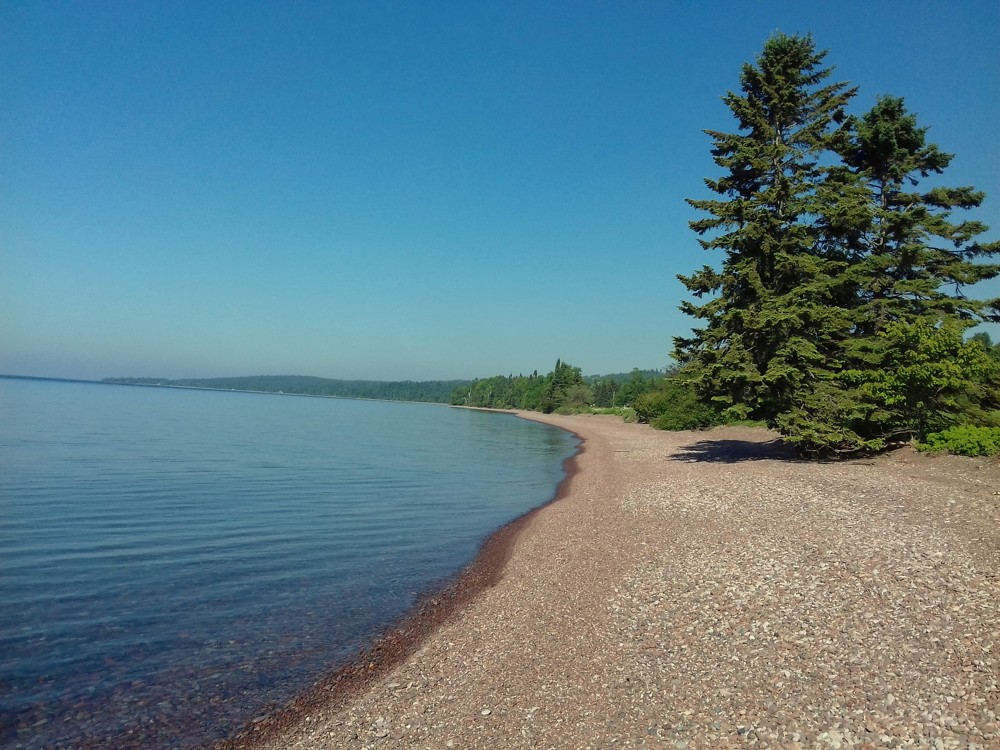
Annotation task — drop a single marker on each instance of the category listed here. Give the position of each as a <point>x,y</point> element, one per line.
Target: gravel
<point>706,590</point>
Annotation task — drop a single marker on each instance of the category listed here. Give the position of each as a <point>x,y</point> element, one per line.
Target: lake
<point>175,562</point>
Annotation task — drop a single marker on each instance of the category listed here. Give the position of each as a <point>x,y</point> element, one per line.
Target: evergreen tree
<point>559,383</point>
<point>911,260</point>
<point>772,324</point>
<point>605,392</point>
<point>910,264</point>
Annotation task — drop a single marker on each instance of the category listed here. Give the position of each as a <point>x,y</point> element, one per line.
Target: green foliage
<point>562,390</point>
<point>768,322</point>
<point>622,390</point>
<point>964,441</point>
<point>502,392</point>
<point>627,413</point>
<point>634,387</point>
<point>675,405</point>
<point>837,315</point>
<point>992,350</point>
<point>604,392</point>
<point>929,378</point>
<point>908,257</point>
<point>576,398</point>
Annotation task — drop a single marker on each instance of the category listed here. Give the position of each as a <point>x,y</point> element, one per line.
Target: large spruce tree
<point>831,268</point>
<point>771,325</point>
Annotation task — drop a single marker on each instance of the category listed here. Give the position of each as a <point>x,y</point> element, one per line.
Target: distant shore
<point>698,590</point>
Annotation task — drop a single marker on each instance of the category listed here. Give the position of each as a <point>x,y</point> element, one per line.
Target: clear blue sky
<point>393,190</point>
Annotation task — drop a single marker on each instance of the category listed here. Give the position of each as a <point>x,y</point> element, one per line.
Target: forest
<point>564,390</point>
<point>436,391</point>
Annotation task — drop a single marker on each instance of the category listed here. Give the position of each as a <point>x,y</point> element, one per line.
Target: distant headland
<point>432,391</point>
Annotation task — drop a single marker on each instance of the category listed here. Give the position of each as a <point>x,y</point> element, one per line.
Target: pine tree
<point>772,324</point>
<point>563,379</point>
<point>911,263</point>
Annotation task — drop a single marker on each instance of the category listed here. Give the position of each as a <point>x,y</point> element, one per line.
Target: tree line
<point>434,391</point>
<point>565,389</point>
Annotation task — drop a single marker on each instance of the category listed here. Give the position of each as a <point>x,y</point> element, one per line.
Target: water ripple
<point>174,562</point>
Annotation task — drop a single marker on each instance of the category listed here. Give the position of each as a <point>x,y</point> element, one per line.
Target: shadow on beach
<point>735,451</point>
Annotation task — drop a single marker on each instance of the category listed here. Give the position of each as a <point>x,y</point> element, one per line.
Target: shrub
<point>627,413</point>
<point>675,406</point>
<point>650,405</point>
<point>964,441</point>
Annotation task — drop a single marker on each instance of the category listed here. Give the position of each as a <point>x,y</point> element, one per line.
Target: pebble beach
<point>702,590</point>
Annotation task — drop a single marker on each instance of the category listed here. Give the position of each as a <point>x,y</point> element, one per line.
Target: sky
<point>404,190</point>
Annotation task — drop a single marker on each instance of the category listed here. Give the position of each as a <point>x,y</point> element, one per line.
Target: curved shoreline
<point>392,646</point>
<point>701,591</point>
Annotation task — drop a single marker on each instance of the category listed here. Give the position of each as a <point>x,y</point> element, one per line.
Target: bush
<point>650,405</point>
<point>965,441</point>
<point>699,418</point>
<point>627,413</point>
<point>675,406</point>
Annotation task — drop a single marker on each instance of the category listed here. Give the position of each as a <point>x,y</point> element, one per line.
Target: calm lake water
<point>173,563</point>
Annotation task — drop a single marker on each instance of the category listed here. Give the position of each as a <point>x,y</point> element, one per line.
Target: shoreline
<point>393,645</point>
<point>701,590</point>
